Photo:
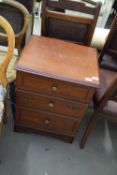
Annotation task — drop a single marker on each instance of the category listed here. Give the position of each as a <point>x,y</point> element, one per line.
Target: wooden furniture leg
<point>5,111</point>
<point>88,130</point>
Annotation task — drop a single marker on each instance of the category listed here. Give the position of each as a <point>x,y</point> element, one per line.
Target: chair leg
<point>5,111</point>
<point>1,126</point>
<point>88,130</point>
<point>12,96</point>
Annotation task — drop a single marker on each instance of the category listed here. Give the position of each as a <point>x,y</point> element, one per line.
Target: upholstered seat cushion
<point>106,78</point>
<point>111,108</point>
<point>11,72</point>
<point>109,63</point>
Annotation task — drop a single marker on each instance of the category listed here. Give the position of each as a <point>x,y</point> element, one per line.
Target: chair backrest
<point>18,17</point>
<point>69,20</point>
<point>110,46</point>
<point>30,5</point>
<point>11,43</point>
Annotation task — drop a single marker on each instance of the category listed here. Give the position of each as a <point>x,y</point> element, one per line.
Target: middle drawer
<point>50,103</point>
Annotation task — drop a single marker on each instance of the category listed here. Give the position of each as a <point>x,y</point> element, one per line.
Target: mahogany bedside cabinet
<point>55,84</point>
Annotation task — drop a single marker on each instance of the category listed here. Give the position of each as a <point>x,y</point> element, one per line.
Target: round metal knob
<point>54,88</point>
<point>46,121</point>
<point>51,104</point>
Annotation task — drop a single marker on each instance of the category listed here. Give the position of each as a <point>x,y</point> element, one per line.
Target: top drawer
<point>54,87</point>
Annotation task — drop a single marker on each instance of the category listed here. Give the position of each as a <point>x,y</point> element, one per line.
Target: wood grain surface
<point>60,60</point>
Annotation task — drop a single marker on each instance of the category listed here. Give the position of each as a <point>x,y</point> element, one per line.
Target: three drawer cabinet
<point>46,100</point>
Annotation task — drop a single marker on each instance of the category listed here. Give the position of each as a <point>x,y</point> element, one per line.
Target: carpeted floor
<point>31,154</point>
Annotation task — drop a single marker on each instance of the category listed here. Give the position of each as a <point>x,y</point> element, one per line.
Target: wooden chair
<point>69,20</point>
<point>108,55</point>
<point>18,16</point>
<point>4,64</point>
<point>105,102</point>
<point>30,5</point>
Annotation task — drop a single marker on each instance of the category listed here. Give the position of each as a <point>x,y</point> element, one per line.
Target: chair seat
<point>106,78</point>
<point>109,63</point>
<point>11,72</point>
<point>111,108</point>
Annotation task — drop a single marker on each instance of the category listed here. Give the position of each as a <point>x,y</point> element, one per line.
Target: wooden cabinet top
<point>60,60</point>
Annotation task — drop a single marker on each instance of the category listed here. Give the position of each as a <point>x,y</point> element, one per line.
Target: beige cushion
<point>11,72</point>
<point>111,108</point>
<point>106,78</point>
<point>99,37</point>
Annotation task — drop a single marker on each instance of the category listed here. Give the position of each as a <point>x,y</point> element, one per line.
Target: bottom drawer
<point>46,121</point>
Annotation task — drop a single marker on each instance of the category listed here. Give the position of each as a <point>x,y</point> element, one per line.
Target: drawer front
<point>46,121</point>
<point>54,87</point>
<point>49,103</point>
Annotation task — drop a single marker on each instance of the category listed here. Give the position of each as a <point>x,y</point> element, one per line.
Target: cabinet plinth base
<point>22,129</point>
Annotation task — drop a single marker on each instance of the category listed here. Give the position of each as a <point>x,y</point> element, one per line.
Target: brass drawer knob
<point>46,121</point>
<point>54,88</point>
<point>51,104</point>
